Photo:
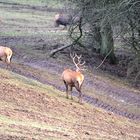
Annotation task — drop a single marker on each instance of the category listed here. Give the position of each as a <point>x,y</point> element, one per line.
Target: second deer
<point>73,78</point>
<point>6,55</point>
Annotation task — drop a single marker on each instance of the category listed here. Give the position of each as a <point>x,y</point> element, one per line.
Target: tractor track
<point>108,107</point>
<point>20,69</point>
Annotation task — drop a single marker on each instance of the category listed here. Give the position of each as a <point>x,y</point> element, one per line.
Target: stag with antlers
<point>73,78</point>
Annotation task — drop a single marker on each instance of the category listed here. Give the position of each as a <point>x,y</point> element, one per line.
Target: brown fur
<point>62,19</point>
<point>5,54</point>
<point>73,79</point>
<point>66,19</point>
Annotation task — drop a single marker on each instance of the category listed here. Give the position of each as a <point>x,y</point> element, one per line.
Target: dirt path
<point>49,72</point>
<point>121,94</point>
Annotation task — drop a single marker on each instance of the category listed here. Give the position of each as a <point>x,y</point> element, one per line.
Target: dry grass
<point>30,109</point>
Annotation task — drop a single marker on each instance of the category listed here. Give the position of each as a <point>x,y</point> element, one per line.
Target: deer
<point>6,55</point>
<point>65,20</point>
<point>74,78</point>
<point>62,19</point>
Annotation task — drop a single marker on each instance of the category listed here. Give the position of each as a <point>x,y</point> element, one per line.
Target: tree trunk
<point>107,43</point>
<point>97,38</point>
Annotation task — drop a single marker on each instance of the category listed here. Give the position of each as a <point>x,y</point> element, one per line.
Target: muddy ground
<point>32,111</point>
<point>31,47</point>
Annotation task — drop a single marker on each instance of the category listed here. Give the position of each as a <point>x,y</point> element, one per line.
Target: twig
<point>104,59</point>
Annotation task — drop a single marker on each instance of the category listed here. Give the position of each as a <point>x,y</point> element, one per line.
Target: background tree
<point>99,30</point>
<point>109,18</point>
<point>129,21</point>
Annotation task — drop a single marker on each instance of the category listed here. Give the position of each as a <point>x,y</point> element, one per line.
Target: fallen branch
<point>53,52</point>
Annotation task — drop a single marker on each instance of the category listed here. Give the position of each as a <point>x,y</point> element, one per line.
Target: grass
<point>28,24</point>
<point>25,83</point>
<point>22,116</point>
<point>22,81</point>
<point>53,4</point>
<point>8,121</point>
<point>47,102</point>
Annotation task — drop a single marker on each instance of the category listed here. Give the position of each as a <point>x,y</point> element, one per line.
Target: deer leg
<point>67,96</point>
<point>80,97</point>
<point>7,63</point>
<point>79,90</point>
<point>71,92</point>
<point>9,66</point>
<point>65,27</point>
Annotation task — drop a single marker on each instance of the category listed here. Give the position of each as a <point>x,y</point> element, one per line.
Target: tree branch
<point>104,59</point>
<point>53,52</point>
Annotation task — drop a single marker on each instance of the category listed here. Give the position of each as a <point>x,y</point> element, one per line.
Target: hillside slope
<point>29,31</point>
<point>31,110</point>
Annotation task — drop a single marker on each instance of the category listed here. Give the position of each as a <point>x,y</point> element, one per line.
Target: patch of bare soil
<point>27,113</point>
<point>49,72</point>
<point>125,98</point>
<point>32,59</point>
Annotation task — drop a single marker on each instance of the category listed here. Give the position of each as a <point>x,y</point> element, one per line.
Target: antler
<point>79,63</point>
